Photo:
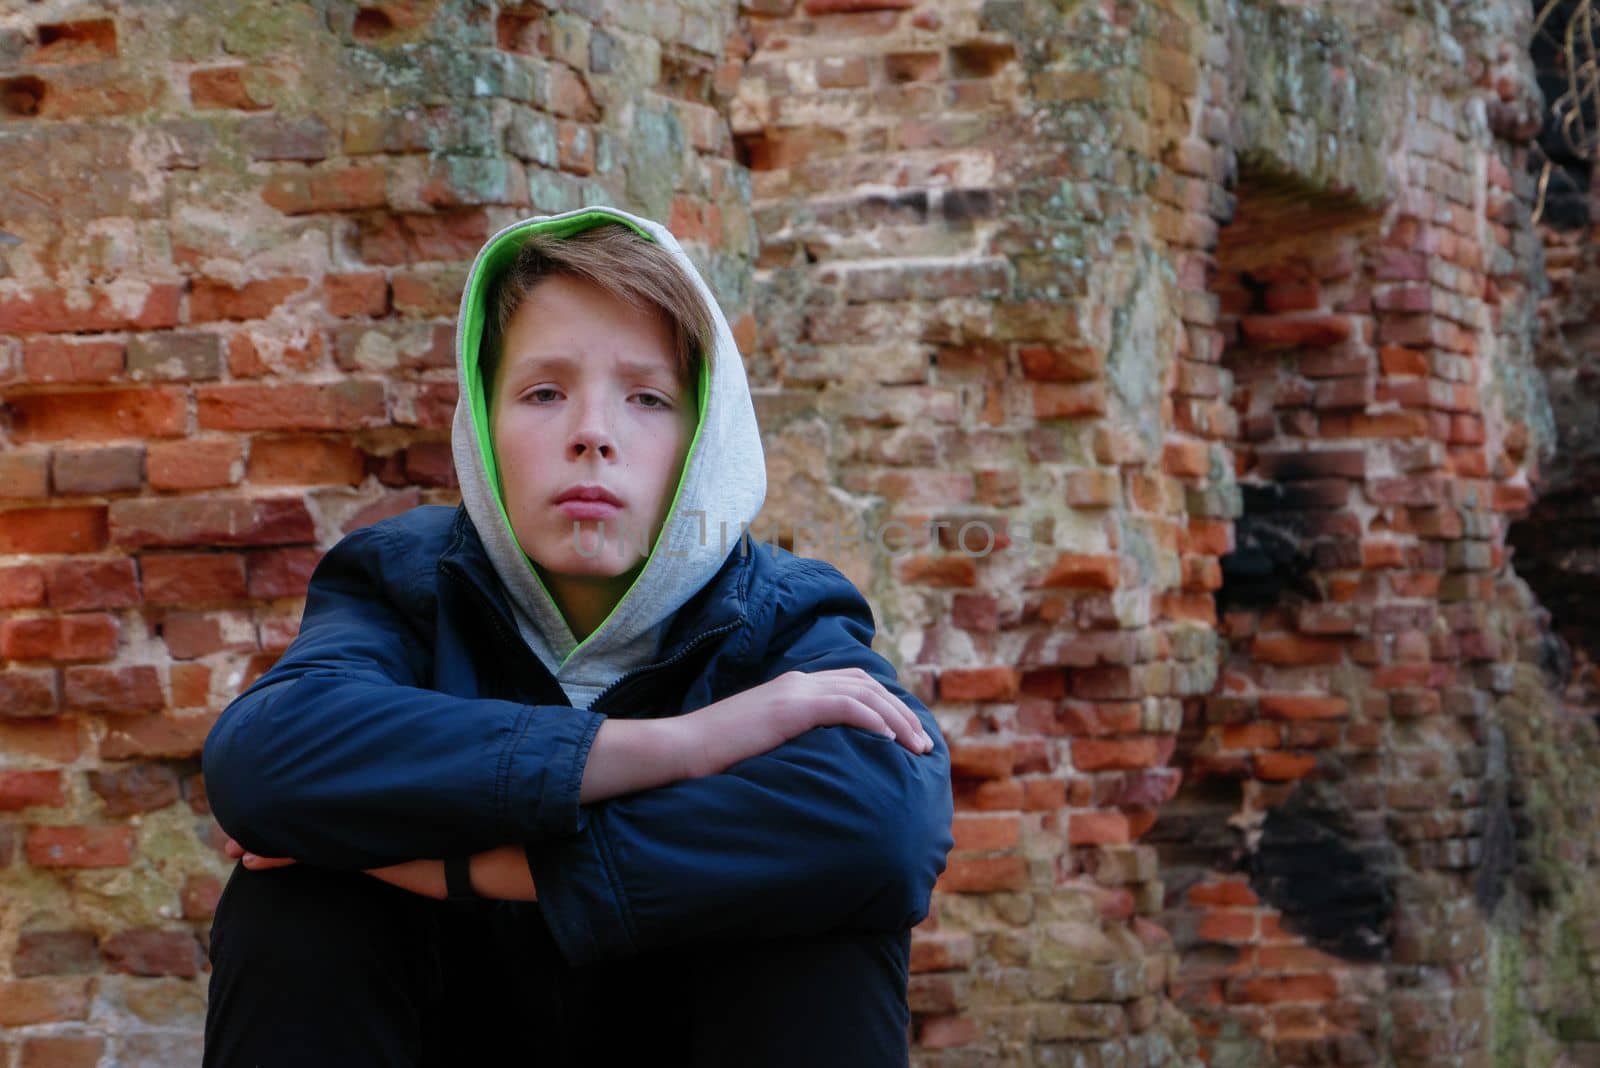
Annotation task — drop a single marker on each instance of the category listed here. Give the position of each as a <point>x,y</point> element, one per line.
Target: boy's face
<point>587,393</point>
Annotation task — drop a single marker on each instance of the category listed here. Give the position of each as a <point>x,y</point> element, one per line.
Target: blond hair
<point>620,261</point>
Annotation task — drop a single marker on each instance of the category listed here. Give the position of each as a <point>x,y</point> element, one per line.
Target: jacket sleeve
<point>341,756</point>
<point>838,828</point>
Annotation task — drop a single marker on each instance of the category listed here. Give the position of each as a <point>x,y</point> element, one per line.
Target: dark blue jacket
<point>409,720</point>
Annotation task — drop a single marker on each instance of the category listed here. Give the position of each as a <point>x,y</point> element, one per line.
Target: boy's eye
<point>657,401</point>
<point>533,394</point>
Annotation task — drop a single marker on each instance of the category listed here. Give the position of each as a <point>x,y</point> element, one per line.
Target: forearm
<point>500,873</point>
<point>629,755</point>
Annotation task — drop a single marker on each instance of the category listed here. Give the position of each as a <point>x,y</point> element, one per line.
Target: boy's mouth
<point>587,501</point>
<point>588,491</point>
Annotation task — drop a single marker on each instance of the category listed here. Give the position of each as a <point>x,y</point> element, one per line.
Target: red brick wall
<point>1122,286</point>
<point>232,255</point>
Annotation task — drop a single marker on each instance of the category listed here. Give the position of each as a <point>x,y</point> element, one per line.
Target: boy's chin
<point>606,566</point>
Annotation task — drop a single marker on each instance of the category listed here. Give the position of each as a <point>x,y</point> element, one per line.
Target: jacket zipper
<point>509,634</point>
<point>696,642</point>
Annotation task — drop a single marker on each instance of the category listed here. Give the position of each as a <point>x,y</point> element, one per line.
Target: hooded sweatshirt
<point>720,490</point>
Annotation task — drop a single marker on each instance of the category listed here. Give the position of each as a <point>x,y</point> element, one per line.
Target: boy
<point>583,723</point>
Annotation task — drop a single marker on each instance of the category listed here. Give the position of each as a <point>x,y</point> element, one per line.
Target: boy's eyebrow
<point>633,367</point>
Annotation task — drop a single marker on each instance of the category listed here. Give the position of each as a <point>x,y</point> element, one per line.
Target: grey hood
<point>720,490</point>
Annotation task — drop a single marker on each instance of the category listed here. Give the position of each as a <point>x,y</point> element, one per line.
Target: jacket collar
<point>722,601</point>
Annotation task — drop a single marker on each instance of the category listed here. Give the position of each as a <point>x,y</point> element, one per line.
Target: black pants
<point>317,967</point>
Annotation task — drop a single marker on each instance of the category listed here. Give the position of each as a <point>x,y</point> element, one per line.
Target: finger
<point>903,724</point>
<point>255,863</point>
<point>233,849</point>
<point>849,709</point>
<point>908,728</point>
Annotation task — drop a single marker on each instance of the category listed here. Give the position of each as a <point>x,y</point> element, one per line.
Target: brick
<point>55,952</point>
<point>1275,331</point>
<point>57,740</point>
<point>831,7</point>
<point>981,760</point>
<point>56,311</point>
<point>1044,795</point>
<point>1098,828</point>
<point>1097,488</point>
<point>982,875</point>
<point>1228,926</point>
<point>1293,649</point>
<point>199,896</point>
<point>45,999</point>
<point>947,1032</point>
<point>1052,400</point>
<point>385,347</point>
<point>431,405</point>
<point>1208,537</point>
<point>392,240</point>
<point>1249,735</point>
<point>213,300</point>
<point>1222,892</point>
<point>194,634</point>
<point>61,1051</point>
<point>305,461</point>
<point>94,471</point>
<point>136,788</point>
<point>276,137</point>
<point>22,586</point>
<point>144,737</point>
<point>978,684</point>
<point>1281,766</point>
<point>430,464</point>
<point>1120,754</point>
<point>1382,425</point>
<point>1303,706</point>
<point>24,789</point>
<point>222,521</point>
<point>235,88</point>
<point>153,952</point>
<point>941,951</point>
<point>986,832</point>
<point>1402,361</point>
<point>291,356</point>
<point>1317,989</point>
<point>49,359</point>
<point>192,578</point>
<point>281,572</point>
<point>127,690</point>
<point>1186,459</point>
<point>428,292</point>
<point>83,585</point>
<point>79,847</point>
<point>63,638</point>
<point>194,464</point>
<point>346,405</point>
<point>175,357</point>
<point>53,530</point>
<point>24,475</point>
<point>345,189</point>
<point>189,686</point>
<point>364,293</point>
<point>99,415</point>
<point>1080,571</point>
<point>25,692</point>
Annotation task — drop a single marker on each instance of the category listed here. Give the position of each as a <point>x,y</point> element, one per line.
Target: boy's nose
<point>584,443</point>
<point>592,434</point>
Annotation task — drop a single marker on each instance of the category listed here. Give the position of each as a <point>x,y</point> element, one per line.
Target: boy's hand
<point>254,863</point>
<point>764,717</point>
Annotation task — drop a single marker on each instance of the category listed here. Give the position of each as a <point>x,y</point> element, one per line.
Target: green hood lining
<point>495,259</point>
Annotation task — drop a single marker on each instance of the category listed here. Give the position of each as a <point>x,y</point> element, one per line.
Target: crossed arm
<point>738,819</point>
<point>632,755</point>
